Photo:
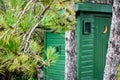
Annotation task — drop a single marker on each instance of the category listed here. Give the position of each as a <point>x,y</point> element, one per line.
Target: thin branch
<point>25,42</point>
<point>23,12</point>
<point>37,24</point>
<point>41,15</point>
<point>33,7</point>
<point>45,30</point>
<point>38,34</point>
<point>42,6</point>
<point>26,48</point>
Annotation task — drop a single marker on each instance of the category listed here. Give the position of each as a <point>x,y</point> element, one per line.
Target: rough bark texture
<point>70,64</point>
<point>113,55</point>
<point>70,55</point>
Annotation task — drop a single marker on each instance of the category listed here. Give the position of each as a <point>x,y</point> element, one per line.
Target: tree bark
<point>113,54</point>
<point>70,54</point>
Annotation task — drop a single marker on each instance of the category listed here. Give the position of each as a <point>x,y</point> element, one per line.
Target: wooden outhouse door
<point>92,38</point>
<point>102,29</point>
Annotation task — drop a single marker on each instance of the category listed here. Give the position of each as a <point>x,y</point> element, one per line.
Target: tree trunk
<point>113,55</point>
<point>70,54</point>
<point>70,60</point>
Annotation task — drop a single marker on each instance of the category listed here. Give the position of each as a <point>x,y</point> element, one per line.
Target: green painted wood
<point>78,40</point>
<point>56,41</point>
<point>54,36</point>
<point>54,76</point>
<point>101,42</point>
<point>90,55</point>
<point>90,7</point>
<point>56,71</point>
<point>86,46</point>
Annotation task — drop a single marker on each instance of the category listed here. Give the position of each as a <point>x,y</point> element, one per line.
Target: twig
<point>28,37</point>
<point>33,7</point>
<point>36,25</point>
<point>27,47</point>
<point>45,30</point>
<point>38,34</point>
<point>41,15</point>
<point>23,12</point>
<point>52,30</point>
<point>23,41</point>
<point>42,6</point>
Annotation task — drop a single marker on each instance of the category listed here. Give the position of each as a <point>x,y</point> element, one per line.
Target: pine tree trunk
<point>113,55</point>
<point>70,55</point>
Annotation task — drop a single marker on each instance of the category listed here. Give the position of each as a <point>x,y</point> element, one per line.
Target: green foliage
<point>9,18</point>
<point>9,41</point>
<point>17,3</point>
<point>27,22</point>
<point>24,64</point>
<point>55,21</point>
<point>51,55</point>
<point>34,47</point>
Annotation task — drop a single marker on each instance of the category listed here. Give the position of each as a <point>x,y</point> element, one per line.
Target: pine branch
<point>25,43</point>
<point>23,12</point>
<point>33,7</point>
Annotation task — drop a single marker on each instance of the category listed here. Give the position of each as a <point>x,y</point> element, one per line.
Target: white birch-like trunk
<point>113,54</point>
<point>70,54</point>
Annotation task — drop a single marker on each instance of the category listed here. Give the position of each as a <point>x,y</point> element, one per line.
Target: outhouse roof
<point>93,7</point>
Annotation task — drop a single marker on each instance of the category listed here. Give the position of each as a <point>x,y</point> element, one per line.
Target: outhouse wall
<point>57,41</point>
<point>92,33</point>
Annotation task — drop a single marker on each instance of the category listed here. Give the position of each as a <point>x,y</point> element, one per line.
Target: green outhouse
<point>92,33</point>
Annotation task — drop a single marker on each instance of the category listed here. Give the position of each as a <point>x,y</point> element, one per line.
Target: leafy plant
<point>51,56</point>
